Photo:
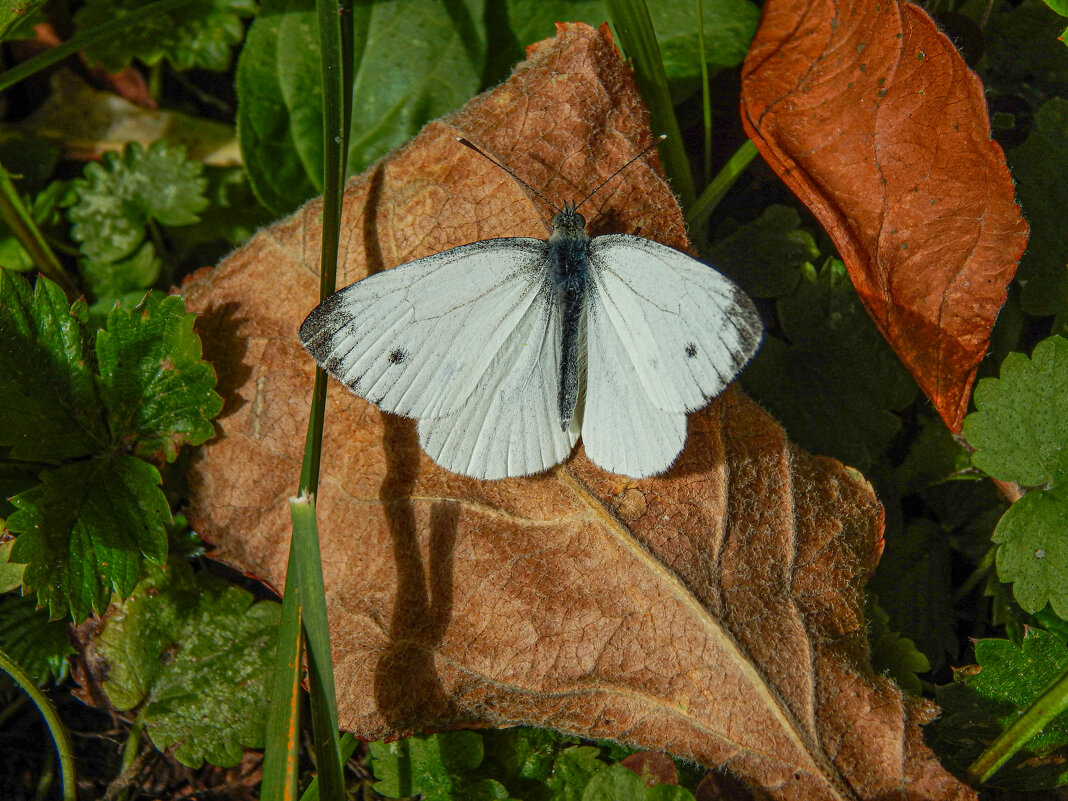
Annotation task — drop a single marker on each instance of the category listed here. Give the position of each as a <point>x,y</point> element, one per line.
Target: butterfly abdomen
<point>568,272</point>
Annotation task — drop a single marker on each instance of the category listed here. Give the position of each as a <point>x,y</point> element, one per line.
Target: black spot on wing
<point>691,350</point>
<point>397,356</point>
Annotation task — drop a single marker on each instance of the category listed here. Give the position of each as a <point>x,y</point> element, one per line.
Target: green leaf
<point>158,391</point>
<point>438,767</point>
<point>836,386</point>
<point>83,530</point>
<point>419,61</point>
<point>109,281</point>
<point>111,206</point>
<point>617,783</point>
<point>1033,552</point>
<point>196,35</point>
<point>765,255</point>
<point>192,654</point>
<point>10,572</point>
<point>729,27</point>
<point>49,409</point>
<point>984,699</point>
<point>572,772</point>
<point>40,646</point>
<point>1039,166</point>
<point>1021,424</point>
<point>890,652</point>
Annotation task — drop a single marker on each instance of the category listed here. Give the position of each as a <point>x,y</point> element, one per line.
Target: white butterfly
<point>508,350</point>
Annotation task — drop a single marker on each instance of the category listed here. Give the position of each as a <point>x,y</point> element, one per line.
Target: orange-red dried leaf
<point>714,612</point>
<point>869,114</point>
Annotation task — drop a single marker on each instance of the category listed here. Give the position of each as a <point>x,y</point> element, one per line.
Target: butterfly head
<point>569,224</point>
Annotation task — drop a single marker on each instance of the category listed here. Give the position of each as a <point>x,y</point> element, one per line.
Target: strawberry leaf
<point>191,654</point>
<point>83,530</point>
<point>49,409</point>
<point>158,391</point>
<point>117,198</point>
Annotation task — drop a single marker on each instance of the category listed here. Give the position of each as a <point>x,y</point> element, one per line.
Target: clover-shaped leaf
<point>113,203</point>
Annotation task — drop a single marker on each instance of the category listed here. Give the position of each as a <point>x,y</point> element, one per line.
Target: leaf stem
<point>14,212</point>
<point>1051,702</point>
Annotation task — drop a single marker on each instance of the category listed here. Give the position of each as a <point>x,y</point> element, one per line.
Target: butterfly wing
<point>665,334</point>
<point>464,341</point>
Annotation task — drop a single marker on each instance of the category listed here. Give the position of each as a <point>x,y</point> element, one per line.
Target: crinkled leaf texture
<point>159,392</point>
<point>83,531</point>
<point>715,612</point>
<point>84,528</point>
<point>868,113</point>
<point>192,654</point>
<point>988,696</point>
<point>49,409</point>
<point>116,199</point>
<point>196,35</point>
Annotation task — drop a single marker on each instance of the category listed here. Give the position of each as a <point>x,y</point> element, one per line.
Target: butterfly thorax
<point>568,260</point>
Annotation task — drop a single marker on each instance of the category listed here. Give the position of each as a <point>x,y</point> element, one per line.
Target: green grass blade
<point>308,563</point>
<point>630,18</point>
<point>1050,703</point>
<point>86,38</point>
<point>13,211</point>
<point>700,212</point>
<point>52,721</point>
<point>281,767</point>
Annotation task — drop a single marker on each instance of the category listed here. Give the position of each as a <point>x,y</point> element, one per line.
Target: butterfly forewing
<point>418,339</point>
<point>687,329</point>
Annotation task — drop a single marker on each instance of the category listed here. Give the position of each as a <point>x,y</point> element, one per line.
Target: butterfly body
<point>508,350</point>
<point>567,258</point>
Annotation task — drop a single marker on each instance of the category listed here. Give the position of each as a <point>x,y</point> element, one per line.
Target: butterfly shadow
<point>408,691</point>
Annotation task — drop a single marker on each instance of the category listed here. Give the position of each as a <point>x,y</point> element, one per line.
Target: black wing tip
<point>321,324</point>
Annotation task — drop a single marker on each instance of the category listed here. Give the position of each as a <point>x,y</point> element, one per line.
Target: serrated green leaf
<point>40,646</point>
<point>764,255</point>
<point>836,386</point>
<point>1039,166</point>
<point>1033,552</point>
<point>49,409</point>
<point>984,699</point>
<point>1021,424</point>
<point>158,391</point>
<point>438,767</point>
<point>116,199</point>
<point>84,530</point>
<point>192,654</point>
<point>199,34</point>
<point>419,61</point>
<point>522,758</point>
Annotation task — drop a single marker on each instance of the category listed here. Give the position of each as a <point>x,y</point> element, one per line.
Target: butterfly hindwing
<point>510,425</point>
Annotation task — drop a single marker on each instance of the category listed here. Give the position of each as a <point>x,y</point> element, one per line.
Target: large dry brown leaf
<point>870,115</point>
<point>714,612</point>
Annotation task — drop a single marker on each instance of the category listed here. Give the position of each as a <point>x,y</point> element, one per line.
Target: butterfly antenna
<point>645,150</point>
<point>492,160</point>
